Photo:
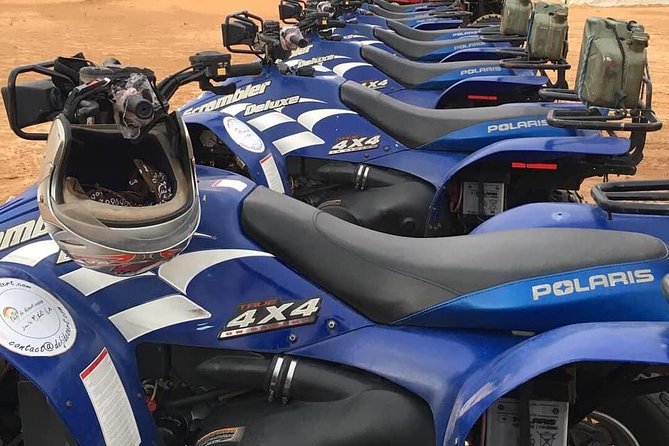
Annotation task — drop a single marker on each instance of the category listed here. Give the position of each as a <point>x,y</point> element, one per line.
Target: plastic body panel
<point>458,371</point>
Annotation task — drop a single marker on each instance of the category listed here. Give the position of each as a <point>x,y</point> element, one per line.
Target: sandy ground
<point>161,34</point>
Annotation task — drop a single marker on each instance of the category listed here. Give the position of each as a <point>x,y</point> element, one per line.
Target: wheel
<point>488,19</point>
<point>640,421</point>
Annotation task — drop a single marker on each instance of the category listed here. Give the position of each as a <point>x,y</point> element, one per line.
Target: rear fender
<point>532,150</point>
<point>497,89</point>
<point>59,377</point>
<point>621,342</point>
<point>461,45</point>
<point>572,215</point>
<point>265,164</point>
<point>428,24</point>
<point>460,373</point>
<point>487,52</point>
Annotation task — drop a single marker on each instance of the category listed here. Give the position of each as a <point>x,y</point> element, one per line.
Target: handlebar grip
<point>244,69</point>
<point>298,40</point>
<point>140,107</point>
<point>337,23</point>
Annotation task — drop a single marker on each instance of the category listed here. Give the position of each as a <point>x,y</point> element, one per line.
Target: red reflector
<point>536,166</point>
<point>477,97</point>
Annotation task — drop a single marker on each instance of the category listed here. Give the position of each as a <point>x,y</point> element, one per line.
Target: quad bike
<point>477,9</point>
<point>396,36</point>
<point>281,324</point>
<point>383,164</point>
<point>470,83</point>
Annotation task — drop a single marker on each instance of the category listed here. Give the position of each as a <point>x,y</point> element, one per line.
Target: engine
<point>207,397</point>
<point>382,199</point>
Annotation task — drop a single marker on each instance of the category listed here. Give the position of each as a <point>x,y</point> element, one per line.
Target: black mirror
<point>239,32</point>
<point>289,10</point>
<point>31,103</point>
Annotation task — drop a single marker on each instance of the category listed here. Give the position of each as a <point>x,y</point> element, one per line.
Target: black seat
<point>416,126</point>
<point>387,278</point>
<point>421,35</point>
<point>396,15</point>
<point>414,49</point>
<point>394,7</point>
<point>410,73</point>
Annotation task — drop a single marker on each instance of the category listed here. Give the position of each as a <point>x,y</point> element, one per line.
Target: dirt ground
<point>161,34</point>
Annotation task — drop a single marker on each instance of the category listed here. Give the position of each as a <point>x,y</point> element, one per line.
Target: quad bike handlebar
<point>94,96</point>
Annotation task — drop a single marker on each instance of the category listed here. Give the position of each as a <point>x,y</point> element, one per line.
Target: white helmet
<point>117,205</point>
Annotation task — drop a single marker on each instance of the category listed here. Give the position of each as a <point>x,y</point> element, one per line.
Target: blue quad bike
<point>340,7</point>
<point>392,167</point>
<point>426,19</point>
<point>434,17</point>
<point>450,84</point>
<point>282,324</point>
<point>479,12</point>
<point>459,44</point>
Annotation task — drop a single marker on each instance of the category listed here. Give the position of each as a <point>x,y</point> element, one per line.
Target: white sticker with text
<point>32,321</point>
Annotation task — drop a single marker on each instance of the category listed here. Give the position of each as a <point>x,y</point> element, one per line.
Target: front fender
<point>61,377</point>
<point>637,342</point>
<point>265,164</point>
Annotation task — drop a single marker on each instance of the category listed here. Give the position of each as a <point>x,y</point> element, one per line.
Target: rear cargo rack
<point>633,197</point>
<point>493,34</point>
<point>641,119</point>
<point>524,62</point>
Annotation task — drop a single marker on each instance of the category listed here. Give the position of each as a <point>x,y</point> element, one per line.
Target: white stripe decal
<point>33,253</point>
<point>368,42</point>
<point>302,100</point>
<point>234,109</point>
<point>179,271</point>
<point>269,120</point>
<point>293,62</point>
<point>156,314</point>
<point>229,183</point>
<point>311,118</point>
<point>341,69</point>
<point>88,281</point>
<point>322,69</point>
<point>297,141</point>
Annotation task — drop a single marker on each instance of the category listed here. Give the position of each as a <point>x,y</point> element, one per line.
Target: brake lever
<point>81,92</point>
<point>219,90</point>
<point>88,109</point>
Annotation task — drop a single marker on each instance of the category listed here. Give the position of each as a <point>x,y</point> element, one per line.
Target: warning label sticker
<point>110,402</point>
<point>548,423</point>
<point>272,174</point>
<point>32,321</point>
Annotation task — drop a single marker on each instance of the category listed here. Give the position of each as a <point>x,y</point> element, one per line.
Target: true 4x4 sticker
<point>355,144</point>
<point>271,314</point>
<point>375,85</point>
